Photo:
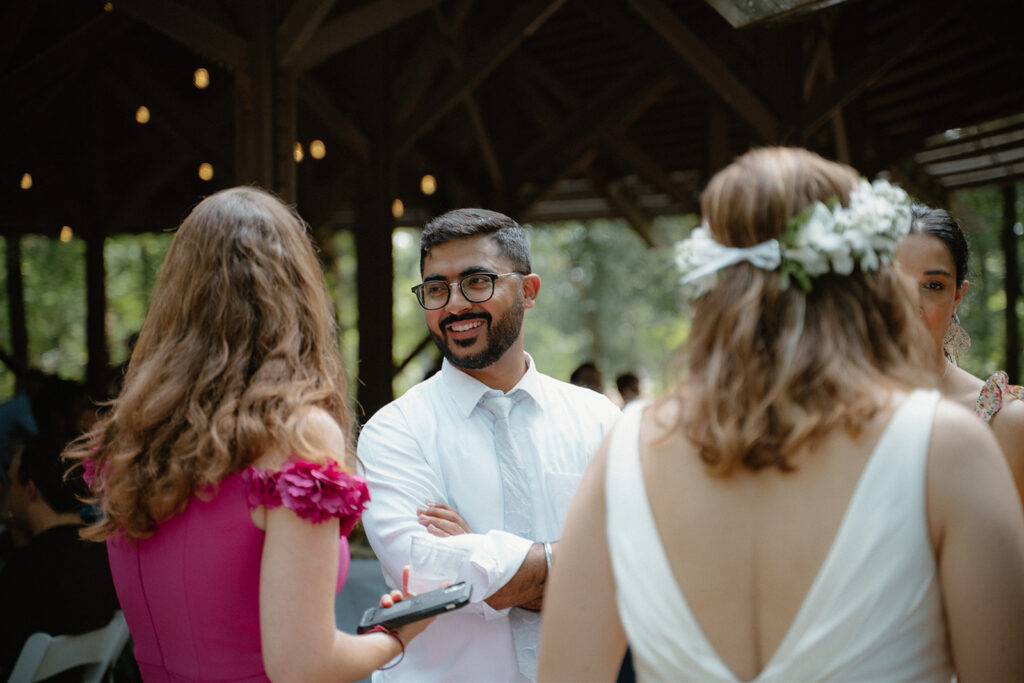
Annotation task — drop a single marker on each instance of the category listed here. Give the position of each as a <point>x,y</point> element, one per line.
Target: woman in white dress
<point>795,508</point>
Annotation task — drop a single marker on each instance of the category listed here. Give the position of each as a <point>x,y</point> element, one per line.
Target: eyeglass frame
<point>418,289</point>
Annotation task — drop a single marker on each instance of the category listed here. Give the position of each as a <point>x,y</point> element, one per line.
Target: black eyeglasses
<point>476,288</point>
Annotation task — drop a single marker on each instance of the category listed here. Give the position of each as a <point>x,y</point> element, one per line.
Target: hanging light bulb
<point>26,181</point>
<point>317,149</point>
<point>297,153</point>
<point>201,78</point>
<point>428,184</point>
<point>206,171</point>
<point>66,233</point>
<point>397,208</point>
<point>142,115</point>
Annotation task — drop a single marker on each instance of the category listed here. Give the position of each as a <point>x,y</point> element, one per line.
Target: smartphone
<point>416,607</point>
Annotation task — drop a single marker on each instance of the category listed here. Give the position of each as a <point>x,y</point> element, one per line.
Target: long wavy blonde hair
<point>769,371</point>
<point>238,345</point>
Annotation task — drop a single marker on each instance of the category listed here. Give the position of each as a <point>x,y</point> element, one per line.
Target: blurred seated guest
<point>587,375</point>
<point>224,467</point>
<point>16,418</point>
<point>628,385</point>
<point>57,583</point>
<point>797,507</point>
<point>935,254</point>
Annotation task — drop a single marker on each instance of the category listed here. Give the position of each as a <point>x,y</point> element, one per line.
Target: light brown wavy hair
<point>238,346</point>
<point>768,371</point>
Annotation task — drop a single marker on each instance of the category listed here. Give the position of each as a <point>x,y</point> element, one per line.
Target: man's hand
<point>442,520</point>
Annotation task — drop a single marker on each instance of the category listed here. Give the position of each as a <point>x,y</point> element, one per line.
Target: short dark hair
<point>941,224</point>
<point>462,223</point>
<point>627,381</point>
<point>42,465</point>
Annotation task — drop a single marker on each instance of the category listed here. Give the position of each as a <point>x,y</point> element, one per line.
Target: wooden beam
<point>63,61</point>
<point>298,27</point>
<point>191,29</point>
<point>869,70</point>
<point>709,67</point>
<point>132,79</point>
<point>622,203</point>
<point>526,20</point>
<point>421,67</point>
<point>544,163</point>
<point>355,27</point>
<point>13,24</point>
<point>614,138</point>
<point>337,121</point>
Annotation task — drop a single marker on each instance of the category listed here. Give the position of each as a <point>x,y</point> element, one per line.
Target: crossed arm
<point>525,589</point>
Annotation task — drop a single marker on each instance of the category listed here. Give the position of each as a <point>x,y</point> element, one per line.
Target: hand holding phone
<point>417,607</point>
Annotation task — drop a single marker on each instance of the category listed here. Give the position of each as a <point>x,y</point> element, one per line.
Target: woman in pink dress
<point>935,254</point>
<point>223,467</point>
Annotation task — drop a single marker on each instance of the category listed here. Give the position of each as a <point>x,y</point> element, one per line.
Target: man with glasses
<point>484,456</point>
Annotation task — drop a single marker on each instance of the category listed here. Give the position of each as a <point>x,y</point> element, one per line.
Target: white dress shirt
<point>436,443</point>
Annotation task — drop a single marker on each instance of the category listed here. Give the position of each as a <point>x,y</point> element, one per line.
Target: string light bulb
<point>206,171</point>
<point>142,115</point>
<point>201,78</point>
<point>397,208</point>
<point>317,149</point>
<point>66,233</point>
<point>297,153</point>
<point>26,181</point>
<point>428,184</point>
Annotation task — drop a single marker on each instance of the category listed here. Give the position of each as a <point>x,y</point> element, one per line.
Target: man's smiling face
<point>474,335</point>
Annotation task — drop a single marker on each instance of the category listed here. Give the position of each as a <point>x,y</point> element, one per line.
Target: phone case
<point>417,607</point>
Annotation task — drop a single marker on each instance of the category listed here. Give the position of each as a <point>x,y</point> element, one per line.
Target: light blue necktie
<point>518,517</point>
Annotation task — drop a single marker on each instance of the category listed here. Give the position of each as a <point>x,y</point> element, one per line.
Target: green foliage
<point>607,297</point>
<point>132,263</point>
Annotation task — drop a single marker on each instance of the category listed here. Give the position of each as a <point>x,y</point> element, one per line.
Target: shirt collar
<point>467,391</point>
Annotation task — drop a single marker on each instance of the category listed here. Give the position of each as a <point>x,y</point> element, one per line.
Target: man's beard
<point>500,337</point>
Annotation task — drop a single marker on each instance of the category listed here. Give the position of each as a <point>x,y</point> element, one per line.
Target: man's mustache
<point>465,316</point>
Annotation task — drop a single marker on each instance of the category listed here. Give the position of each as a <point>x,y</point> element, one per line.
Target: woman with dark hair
<point>935,254</point>
<point>223,466</point>
<point>795,508</point>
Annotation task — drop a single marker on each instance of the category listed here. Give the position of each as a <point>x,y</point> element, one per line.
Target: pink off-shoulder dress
<point>190,592</point>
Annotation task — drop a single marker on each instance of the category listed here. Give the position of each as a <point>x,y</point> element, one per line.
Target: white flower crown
<point>822,238</point>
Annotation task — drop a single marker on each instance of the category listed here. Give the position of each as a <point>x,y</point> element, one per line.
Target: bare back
<point>745,549</point>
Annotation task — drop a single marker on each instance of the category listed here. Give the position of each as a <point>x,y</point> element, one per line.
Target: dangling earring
<point>957,341</point>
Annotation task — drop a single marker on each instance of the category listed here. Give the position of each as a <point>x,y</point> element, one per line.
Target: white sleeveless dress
<point>873,613</point>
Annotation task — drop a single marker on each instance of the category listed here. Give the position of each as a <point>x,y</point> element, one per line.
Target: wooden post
<point>16,303</point>
<point>374,259</point>
<point>1012,283</point>
<point>96,372</point>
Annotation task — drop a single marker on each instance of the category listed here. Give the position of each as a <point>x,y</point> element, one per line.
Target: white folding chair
<point>44,655</point>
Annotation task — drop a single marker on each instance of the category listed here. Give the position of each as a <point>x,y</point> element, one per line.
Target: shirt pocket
<point>561,487</point>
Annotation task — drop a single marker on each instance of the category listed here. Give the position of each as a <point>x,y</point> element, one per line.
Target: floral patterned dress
<point>996,389</point>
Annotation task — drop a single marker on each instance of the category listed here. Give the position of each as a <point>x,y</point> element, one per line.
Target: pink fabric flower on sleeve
<point>261,488</point>
<point>313,491</point>
<point>320,492</point>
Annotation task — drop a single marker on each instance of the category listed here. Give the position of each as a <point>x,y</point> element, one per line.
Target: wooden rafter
<point>356,26</point>
<point>191,29</point>
<point>14,21</point>
<point>63,61</point>
<point>869,70</point>
<point>548,84</point>
<point>524,22</point>
<point>544,163</point>
<point>298,28</point>
<point>341,125</point>
<point>703,60</point>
